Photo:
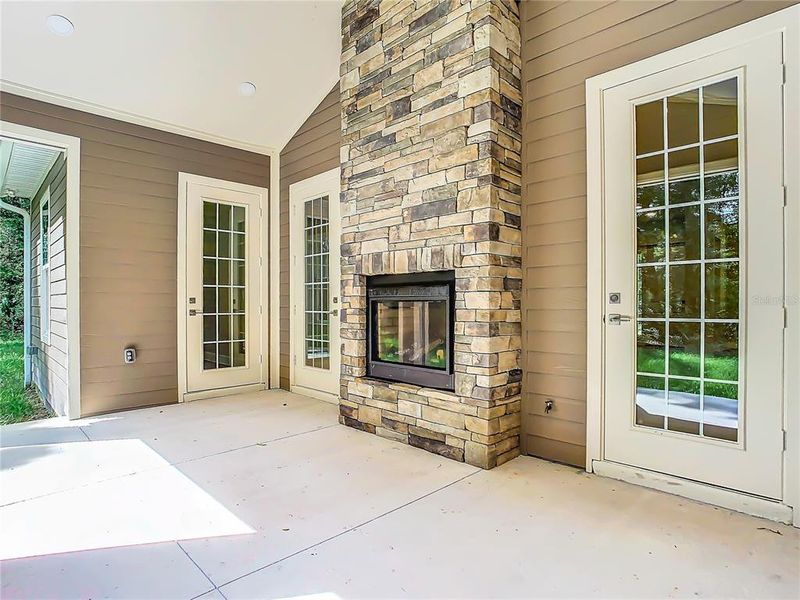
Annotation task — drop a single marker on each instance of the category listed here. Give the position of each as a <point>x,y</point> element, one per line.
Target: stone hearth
<point>431,109</point>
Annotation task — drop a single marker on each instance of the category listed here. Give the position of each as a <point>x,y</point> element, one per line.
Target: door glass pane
<point>684,176</point>
<point>650,347</point>
<point>688,313</point>
<point>224,287</point>
<point>649,127</point>
<point>650,181</point>
<point>684,233</point>
<point>720,111</point>
<point>317,283</point>
<point>683,119</point>
<point>650,236</point>
<point>651,401</point>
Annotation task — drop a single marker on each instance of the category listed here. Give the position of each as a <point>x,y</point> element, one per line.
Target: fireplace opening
<point>410,328</point>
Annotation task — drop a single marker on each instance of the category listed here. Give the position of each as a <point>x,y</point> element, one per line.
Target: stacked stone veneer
<point>431,110</point>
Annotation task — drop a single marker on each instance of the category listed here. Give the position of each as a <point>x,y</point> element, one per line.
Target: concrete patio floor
<point>266,496</point>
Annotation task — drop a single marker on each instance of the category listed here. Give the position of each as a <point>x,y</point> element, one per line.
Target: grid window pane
<point>688,313</point>
<point>316,307</point>
<point>224,286</point>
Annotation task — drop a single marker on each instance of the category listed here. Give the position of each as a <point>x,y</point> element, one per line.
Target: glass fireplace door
<point>410,329</point>
<point>412,333</point>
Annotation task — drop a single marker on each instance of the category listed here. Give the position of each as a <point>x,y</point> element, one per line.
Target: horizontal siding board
<point>94,127</point>
<point>566,24</point>
<point>563,46</point>
<point>571,454</point>
<point>631,21</point>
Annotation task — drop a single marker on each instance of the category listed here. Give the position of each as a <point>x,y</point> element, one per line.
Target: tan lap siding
<point>314,149</point>
<point>129,189</point>
<point>564,43</point>
<point>49,365</point>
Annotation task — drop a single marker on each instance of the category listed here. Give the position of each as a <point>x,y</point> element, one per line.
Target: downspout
<point>26,284</point>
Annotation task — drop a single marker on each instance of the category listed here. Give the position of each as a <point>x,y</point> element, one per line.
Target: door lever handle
<point>616,319</point>
<point>193,312</point>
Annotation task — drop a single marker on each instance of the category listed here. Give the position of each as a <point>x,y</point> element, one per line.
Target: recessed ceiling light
<point>247,89</point>
<point>60,25</point>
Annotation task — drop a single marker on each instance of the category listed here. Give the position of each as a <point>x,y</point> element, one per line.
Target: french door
<point>694,270</point>
<point>223,287</point>
<point>315,282</point>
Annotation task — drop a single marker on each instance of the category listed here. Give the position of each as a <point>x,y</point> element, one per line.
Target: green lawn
<point>650,360</point>
<point>16,402</point>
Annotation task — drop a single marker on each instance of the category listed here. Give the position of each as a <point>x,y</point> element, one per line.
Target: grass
<point>17,403</point>
<point>651,360</point>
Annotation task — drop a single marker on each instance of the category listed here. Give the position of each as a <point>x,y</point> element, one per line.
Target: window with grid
<point>317,285</point>
<point>687,262</point>
<point>224,285</point>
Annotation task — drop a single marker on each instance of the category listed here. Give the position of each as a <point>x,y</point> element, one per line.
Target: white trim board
<point>752,505</point>
<point>267,301</point>
<point>787,22</point>
<point>72,149</point>
<point>112,113</point>
<point>275,271</point>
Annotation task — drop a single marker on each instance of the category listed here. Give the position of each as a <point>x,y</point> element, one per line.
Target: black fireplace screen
<point>411,329</point>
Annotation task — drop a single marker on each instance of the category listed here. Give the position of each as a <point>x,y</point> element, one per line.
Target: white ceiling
<point>179,64</point>
<point>23,167</point>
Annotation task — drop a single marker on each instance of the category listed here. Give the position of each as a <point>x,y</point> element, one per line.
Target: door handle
<point>334,312</point>
<point>194,312</point>
<point>616,319</point>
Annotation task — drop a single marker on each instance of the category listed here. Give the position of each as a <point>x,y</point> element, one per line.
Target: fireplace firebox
<point>410,328</point>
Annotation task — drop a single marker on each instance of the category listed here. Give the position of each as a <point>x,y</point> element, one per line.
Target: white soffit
<point>23,167</point>
<point>178,65</point>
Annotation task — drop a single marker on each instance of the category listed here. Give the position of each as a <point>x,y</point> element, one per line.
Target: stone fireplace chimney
<point>431,110</point>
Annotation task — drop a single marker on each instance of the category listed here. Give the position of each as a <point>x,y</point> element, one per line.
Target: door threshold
<point>756,506</point>
<point>220,392</point>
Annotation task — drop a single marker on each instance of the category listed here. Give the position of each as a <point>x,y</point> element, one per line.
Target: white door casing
<point>690,442</point>
<point>221,287</point>
<point>315,280</point>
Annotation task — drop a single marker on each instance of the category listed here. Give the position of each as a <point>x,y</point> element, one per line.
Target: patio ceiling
<point>179,65</point>
<point>23,167</point>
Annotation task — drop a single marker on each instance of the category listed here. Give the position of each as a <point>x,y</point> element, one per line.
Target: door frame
<point>71,146</point>
<point>326,180</point>
<point>265,299</point>
<point>786,22</point>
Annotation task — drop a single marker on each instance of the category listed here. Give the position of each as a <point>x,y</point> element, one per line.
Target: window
<point>224,286</point>
<point>44,266</point>
<point>688,237</point>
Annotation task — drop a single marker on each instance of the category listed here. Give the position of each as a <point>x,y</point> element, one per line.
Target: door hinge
<point>785,317</point>
<point>785,444</point>
<point>785,196</point>
<point>783,73</point>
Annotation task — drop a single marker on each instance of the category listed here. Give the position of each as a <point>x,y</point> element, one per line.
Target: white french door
<point>315,285</point>
<point>694,270</point>
<point>223,286</point>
